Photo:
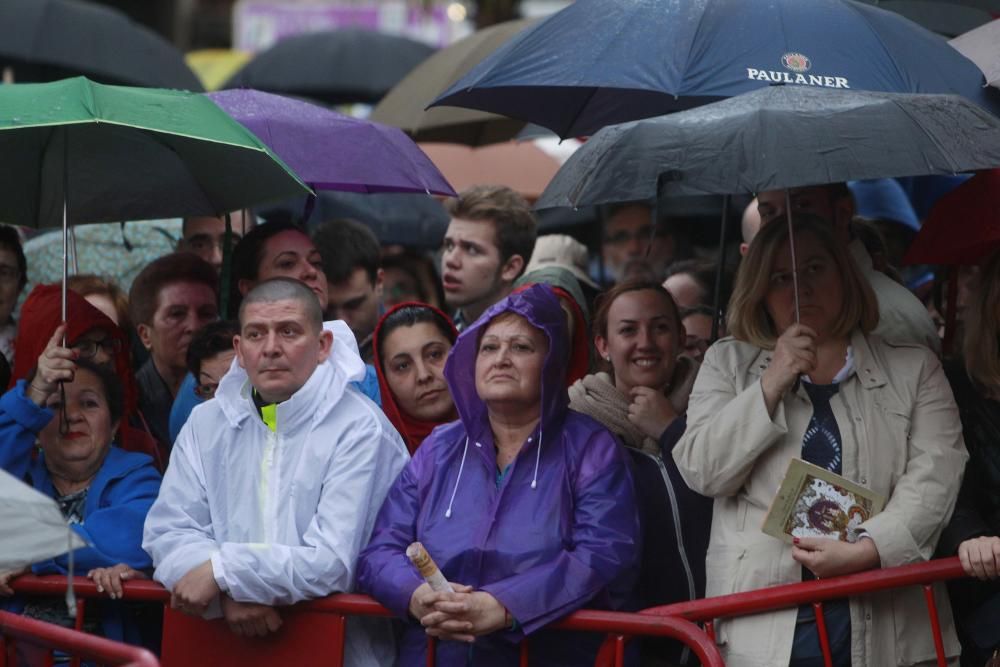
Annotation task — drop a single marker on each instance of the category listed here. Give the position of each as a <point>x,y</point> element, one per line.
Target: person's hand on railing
<point>247,619</point>
<point>110,579</point>
<point>6,578</point>
<point>980,557</point>
<point>826,557</point>
<point>463,616</point>
<point>195,591</point>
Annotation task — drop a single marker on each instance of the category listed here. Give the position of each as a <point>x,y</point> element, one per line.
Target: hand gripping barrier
<point>25,639</point>
<point>706,611</point>
<point>313,632</point>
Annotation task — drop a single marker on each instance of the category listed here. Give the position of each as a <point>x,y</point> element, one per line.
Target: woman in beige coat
<point>822,389</point>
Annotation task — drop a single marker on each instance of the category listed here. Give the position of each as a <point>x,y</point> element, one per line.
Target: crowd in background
<point>561,428</point>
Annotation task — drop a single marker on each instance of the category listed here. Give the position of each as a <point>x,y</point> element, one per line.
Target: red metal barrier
<point>18,633</point>
<point>309,628</point>
<point>815,592</point>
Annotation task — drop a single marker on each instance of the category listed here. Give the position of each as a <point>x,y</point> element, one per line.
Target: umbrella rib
<point>954,167</point>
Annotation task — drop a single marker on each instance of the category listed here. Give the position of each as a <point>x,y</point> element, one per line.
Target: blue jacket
<point>119,498</point>
<point>556,532</point>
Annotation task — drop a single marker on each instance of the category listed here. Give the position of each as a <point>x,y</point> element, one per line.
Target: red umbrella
<point>964,225</point>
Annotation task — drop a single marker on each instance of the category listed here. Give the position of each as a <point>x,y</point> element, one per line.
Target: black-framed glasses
<point>206,391</point>
<point>87,349</point>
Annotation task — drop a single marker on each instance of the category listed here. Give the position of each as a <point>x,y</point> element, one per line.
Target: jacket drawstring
<point>538,457</point>
<point>458,479</point>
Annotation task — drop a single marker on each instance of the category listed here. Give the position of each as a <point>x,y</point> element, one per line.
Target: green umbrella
<point>75,151</point>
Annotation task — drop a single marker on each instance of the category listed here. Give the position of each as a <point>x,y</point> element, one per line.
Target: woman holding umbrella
<point>803,378</point>
<point>526,506</point>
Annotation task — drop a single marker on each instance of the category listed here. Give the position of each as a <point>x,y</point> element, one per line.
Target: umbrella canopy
<point>406,104</point>
<point>597,63</point>
<point>416,221</point>
<point>112,153</point>
<point>982,46</point>
<point>333,66</point>
<point>106,249</point>
<point>331,151</point>
<point>526,167</point>
<point>945,17</point>
<point>779,137</point>
<point>46,40</point>
<point>976,205</point>
<point>32,526</point>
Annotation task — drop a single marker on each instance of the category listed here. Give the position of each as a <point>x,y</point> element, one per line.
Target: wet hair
<point>346,245</point>
<point>514,224</point>
<point>111,385</point>
<point>178,267</point>
<point>407,316</point>
<point>606,299</point>
<point>748,319</point>
<point>10,239</point>
<point>88,284</point>
<point>285,289</point>
<point>210,340</point>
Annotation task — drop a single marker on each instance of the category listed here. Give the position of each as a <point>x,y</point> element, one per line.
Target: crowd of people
<point>558,428</point>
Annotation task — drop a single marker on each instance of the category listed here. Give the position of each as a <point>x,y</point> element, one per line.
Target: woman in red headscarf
<point>410,345</point>
<point>94,336</point>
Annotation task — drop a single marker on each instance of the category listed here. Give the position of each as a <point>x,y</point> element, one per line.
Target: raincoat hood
<point>314,399</point>
<point>413,430</point>
<point>540,307</point>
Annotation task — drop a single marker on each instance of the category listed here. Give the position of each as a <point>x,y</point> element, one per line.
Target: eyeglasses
<point>206,391</point>
<point>87,349</point>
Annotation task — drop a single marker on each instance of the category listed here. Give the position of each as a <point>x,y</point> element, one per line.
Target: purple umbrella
<point>331,151</point>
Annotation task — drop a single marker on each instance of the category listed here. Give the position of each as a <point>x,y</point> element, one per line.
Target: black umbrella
<point>333,66</point>
<point>414,220</point>
<point>48,40</point>
<point>775,138</point>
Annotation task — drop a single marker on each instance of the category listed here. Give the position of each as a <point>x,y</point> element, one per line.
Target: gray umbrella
<point>775,138</point>
<point>982,46</point>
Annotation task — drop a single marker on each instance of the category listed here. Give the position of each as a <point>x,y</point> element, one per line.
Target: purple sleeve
<point>605,544</point>
<point>384,570</point>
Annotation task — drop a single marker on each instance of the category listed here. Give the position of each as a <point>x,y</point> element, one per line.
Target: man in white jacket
<point>273,487</point>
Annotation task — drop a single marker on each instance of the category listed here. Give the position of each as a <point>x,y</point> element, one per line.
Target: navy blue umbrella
<point>602,62</point>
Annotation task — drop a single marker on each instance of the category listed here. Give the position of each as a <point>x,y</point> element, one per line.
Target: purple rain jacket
<point>559,533</point>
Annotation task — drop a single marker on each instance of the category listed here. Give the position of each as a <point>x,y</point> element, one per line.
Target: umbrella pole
<point>226,275</point>
<point>65,264</point>
<point>719,269</point>
<point>791,247</point>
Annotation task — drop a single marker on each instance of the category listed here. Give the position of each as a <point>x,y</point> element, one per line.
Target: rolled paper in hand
<point>428,568</point>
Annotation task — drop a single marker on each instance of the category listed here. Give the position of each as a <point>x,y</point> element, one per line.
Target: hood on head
<point>540,307</point>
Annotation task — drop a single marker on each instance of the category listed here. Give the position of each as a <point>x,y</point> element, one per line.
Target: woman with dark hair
<point>526,506</point>
<point>974,530</point>
<point>642,400</point>
<point>410,345</point>
<point>72,407</point>
<point>804,377</point>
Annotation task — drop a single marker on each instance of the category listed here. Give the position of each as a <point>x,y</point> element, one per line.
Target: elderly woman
<point>410,345</point>
<point>527,507</point>
<point>643,401</point>
<point>974,530</point>
<point>822,389</point>
<point>103,491</point>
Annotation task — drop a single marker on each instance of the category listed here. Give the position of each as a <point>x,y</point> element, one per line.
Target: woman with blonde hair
<point>974,530</point>
<point>802,377</point>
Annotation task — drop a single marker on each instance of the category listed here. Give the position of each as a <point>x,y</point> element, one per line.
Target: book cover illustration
<point>814,502</point>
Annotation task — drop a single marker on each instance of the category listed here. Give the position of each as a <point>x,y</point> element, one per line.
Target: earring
<point>607,357</point>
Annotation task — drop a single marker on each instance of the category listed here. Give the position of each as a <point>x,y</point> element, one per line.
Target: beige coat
<point>901,437</point>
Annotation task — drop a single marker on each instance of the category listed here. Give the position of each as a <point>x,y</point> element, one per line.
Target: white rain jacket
<point>282,515</point>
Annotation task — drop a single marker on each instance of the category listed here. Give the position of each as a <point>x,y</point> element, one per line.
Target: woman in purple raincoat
<point>526,506</point>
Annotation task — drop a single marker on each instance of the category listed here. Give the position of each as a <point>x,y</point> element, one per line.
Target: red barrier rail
<point>311,626</point>
<point>16,630</point>
<point>708,610</point>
